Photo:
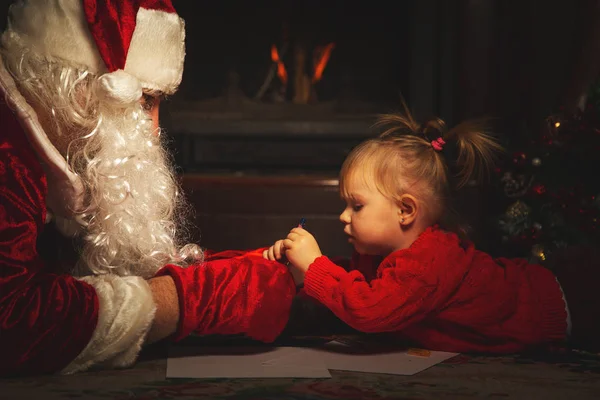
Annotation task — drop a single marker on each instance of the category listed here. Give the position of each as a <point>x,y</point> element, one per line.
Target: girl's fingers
<point>293,236</point>
<point>287,243</point>
<point>271,255</point>
<point>278,248</point>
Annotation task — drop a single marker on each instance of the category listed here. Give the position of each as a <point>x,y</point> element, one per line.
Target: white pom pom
<point>119,87</point>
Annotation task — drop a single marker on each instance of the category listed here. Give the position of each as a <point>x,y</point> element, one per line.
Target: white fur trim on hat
<point>157,50</point>
<point>58,30</point>
<point>55,30</point>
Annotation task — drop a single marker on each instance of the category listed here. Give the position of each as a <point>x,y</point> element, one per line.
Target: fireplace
<point>326,54</point>
<point>288,86</point>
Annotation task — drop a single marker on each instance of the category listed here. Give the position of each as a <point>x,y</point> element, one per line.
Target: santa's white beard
<point>133,198</point>
<point>133,217</point>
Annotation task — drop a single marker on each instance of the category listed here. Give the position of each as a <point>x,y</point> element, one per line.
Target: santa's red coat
<point>51,321</point>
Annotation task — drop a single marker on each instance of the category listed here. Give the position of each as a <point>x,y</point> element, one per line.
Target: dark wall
<point>516,60</point>
<point>520,60</point>
<point>3,15</point>
<point>371,44</point>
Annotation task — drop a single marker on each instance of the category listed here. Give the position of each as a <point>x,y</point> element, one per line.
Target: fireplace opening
<point>293,60</point>
<point>290,87</point>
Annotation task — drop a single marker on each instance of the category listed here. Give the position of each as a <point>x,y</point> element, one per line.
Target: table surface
<point>559,375</point>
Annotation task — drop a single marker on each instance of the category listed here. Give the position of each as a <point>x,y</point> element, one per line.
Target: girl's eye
<point>357,207</point>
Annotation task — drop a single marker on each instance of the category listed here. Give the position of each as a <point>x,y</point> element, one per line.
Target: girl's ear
<point>408,209</point>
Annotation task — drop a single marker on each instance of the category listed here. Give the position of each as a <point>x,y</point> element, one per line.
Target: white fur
<point>161,35</point>
<point>133,215</point>
<point>119,87</point>
<point>569,326</point>
<point>57,30</point>
<point>126,311</point>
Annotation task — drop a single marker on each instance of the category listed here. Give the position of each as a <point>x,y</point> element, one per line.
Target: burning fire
<point>281,71</point>
<point>321,59</point>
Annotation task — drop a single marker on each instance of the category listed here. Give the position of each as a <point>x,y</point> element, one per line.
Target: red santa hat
<point>131,44</point>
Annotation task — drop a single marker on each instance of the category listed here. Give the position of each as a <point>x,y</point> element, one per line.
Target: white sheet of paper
<point>345,357</point>
<point>244,362</point>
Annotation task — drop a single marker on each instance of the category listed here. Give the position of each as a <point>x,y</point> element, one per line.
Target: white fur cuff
<point>126,312</point>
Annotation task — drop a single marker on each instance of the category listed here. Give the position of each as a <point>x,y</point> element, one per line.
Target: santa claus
<point>80,154</point>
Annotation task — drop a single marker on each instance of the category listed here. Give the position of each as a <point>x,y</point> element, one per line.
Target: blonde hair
<point>402,159</point>
<point>134,213</point>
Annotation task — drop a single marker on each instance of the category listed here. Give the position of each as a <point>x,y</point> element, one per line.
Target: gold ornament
<point>518,210</point>
<point>538,252</point>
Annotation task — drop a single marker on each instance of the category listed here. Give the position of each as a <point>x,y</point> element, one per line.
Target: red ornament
<point>539,189</point>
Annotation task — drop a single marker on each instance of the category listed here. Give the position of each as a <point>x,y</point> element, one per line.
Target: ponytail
<point>475,151</point>
<point>432,160</point>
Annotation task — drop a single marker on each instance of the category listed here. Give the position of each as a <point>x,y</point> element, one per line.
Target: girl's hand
<point>274,252</point>
<point>301,249</point>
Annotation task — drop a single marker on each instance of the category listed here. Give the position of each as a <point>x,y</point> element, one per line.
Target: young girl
<point>413,278</point>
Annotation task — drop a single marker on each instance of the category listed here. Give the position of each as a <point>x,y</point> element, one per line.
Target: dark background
<point>517,61</point>
<point>371,46</point>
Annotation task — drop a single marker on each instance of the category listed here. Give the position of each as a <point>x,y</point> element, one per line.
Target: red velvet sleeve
<point>46,320</point>
<point>242,294</point>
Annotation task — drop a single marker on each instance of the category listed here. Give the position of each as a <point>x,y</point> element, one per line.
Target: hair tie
<point>438,144</point>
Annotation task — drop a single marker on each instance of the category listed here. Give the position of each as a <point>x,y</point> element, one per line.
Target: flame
<point>281,72</point>
<point>321,60</point>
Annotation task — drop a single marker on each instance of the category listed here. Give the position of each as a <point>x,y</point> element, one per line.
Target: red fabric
<point>578,271</point>
<point>446,297</point>
<point>112,23</point>
<point>46,319</point>
<point>232,293</point>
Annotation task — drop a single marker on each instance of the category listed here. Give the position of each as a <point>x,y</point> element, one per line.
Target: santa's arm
<point>45,320</point>
<point>56,323</point>
<point>51,322</point>
<point>166,317</point>
<point>239,295</point>
<point>126,309</point>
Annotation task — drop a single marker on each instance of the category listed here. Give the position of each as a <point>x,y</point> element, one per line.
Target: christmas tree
<point>548,188</point>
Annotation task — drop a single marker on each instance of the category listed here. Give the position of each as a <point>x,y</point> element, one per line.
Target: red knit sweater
<point>445,297</point>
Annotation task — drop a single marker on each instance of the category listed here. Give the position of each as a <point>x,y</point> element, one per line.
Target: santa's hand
<point>301,249</point>
<point>274,252</point>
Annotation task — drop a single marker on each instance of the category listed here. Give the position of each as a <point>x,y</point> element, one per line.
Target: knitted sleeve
<point>400,296</point>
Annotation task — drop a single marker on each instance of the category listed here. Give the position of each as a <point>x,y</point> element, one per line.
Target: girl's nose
<point>345,216</point>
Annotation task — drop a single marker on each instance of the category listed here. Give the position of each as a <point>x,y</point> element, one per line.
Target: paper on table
<point>347,357</point>
<point>244,362</point>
